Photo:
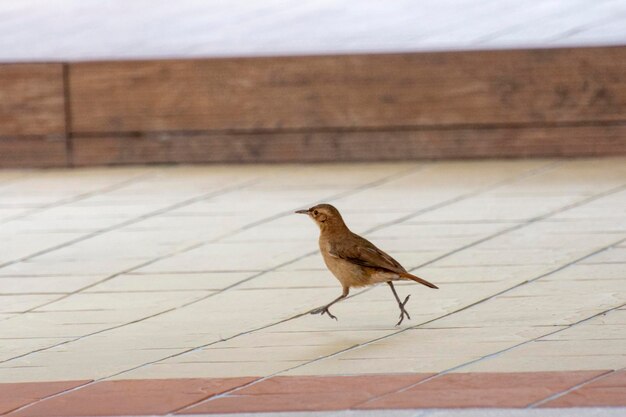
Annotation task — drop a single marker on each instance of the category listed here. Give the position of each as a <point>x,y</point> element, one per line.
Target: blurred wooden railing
<point>510,103</point>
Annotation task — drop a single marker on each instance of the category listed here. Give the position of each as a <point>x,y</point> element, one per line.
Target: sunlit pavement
<point>184,289</point>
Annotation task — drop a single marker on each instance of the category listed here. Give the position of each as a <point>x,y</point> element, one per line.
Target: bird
<point>354,260</point>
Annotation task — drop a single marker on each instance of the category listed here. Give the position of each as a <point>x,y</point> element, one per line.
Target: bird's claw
<point>323,310</point>
<point>403,311</point>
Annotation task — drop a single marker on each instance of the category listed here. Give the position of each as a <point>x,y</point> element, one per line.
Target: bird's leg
<point>401,304</point>
<point>324,309</point>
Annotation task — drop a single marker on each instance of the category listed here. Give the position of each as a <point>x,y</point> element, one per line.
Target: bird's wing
<point>362,252</point>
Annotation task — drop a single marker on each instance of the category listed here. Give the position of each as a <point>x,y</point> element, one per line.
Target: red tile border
<point>131,397</point>
<point>609,391</point>
<point>14,396</point>
<point>467,390</point>
<point>306,393</point>
<point>311,393</point>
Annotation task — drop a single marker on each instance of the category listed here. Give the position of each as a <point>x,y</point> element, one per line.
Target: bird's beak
<point>302,211</point>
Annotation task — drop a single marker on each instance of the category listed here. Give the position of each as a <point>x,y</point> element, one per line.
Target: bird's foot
<point>403,311</point>
<point>323,310</point>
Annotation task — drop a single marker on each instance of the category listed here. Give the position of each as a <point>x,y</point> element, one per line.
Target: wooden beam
<point>32,115</point>
<point>352,146</point>
<point>425,90</point>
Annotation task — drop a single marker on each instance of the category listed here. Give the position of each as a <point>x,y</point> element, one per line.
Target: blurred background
<point>490,137</point>
<point>121,82</point>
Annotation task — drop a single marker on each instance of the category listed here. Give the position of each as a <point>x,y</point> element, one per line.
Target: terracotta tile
<point>368,384</point>
<point>465,390</point>
<point>609,391</point>
<point>16,395</point>
<point>308,393</point>
<point>111,398</point>
<point>277,403</point>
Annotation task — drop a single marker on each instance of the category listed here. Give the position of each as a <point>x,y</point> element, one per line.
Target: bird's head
<point>325,216</point>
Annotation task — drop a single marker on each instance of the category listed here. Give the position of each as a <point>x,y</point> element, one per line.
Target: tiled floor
<point>189,287</point>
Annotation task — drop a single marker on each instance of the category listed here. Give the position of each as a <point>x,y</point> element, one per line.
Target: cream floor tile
<point>512,256</point>
<point>547,289</point>
<point>16,245</point>
<point>209,225</point>
<point>511,274</point>
<point>232,312</point>
<point>528,363</point>
<point>421,351</point>
<point>292,279</point>
<point>583,227</point>
<point>170,282</point>
<point>337,366</point>
<point>578,347</point>
<point>593,344</point>
<point>96,266</point>
<point>288,228</point>
<point>60,185</point>
<point>7,213</point>
<point>446,179</point>
<point>494,207</point>
<point>257,354</point>
<point>617,317</point>
<point>592,332</point>
<point>59,366</point>
<point>528,311</point>
<point>538,238</point>
<point>207,370</point>
<point>610,256</point>
<point>588,336</point>
<point>45,284</point>
<point>117,246</point>
<point>23,302</point>
<point>241,315</point>
<point>426,344</point>
<point>10,348</point>
<point>582,175</point>
<point>227,257</point>
<point>543,303</point>
<point>457,232</point>
<point>610,206</point>
<point>138,301</point>
<point>140,336</point>
<point>66,324</point>
<point>282,336</point>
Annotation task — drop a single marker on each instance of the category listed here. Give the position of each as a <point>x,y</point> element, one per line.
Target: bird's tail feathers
<point>418,279</point>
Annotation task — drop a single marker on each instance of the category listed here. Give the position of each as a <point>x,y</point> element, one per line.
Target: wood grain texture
<point>358,91</point>
<point>351,146</point>
<point>31,100</point>
<point>33,152</point>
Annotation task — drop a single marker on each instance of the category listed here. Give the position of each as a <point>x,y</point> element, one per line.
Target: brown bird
<point>354,260</point>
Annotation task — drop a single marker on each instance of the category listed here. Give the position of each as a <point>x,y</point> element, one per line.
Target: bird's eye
<point>315,212</point>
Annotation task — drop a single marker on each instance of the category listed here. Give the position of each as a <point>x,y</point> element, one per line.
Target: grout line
<point>186,249</point>
<point>574,388</point>
<point>224,236</point>
<point>339,195</point>
<point>495,354</point>
<point>531,172</point>
<point>79,197</point>
<point>468,195</point>
<point>360,345</point>
<point>132,221</point>
<point>528,222</point>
